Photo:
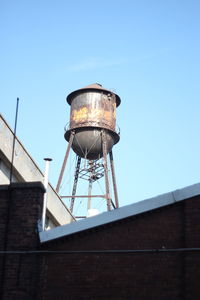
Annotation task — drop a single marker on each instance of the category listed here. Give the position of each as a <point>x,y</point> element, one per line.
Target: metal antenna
<point>14,138</point>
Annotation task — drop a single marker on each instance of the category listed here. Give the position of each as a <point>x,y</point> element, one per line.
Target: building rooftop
<point>121,213</point>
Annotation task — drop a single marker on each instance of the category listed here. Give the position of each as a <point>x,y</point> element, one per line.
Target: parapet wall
<point>25,169</point>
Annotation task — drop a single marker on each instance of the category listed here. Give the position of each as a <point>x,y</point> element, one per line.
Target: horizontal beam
<point>85,196</point>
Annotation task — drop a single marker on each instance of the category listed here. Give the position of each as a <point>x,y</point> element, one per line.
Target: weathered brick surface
<point>115,276</point>
<point>20,210</point>
<point>192,260</point>
<point>130,276</point>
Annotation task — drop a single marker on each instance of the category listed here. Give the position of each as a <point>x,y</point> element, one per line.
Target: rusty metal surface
<point>75,183</point>
<point>93,109</point>
<point>87,142</point>
<point>84,196</point>
<point>108,198</point>
<point>114,179</point>
<point>93,87</point>
<point>72,133</point>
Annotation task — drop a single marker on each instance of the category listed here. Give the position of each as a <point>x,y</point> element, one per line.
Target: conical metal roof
<point>92,87</point>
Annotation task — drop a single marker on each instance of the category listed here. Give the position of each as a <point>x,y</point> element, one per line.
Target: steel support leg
<point>91,164</point>
<point>114,179</point>
<point>75,183</point>
<point>104,144</point>
<point>65,161</point>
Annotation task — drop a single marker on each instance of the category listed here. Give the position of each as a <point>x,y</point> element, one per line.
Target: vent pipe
<point>46,177</point>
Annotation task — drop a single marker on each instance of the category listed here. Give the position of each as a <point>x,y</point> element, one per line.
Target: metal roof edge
<point>121,213</point>
<point>92,87</point>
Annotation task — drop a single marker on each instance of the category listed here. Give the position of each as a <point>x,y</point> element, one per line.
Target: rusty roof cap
<point>92,87</point>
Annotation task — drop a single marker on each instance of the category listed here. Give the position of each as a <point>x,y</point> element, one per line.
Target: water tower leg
<point>114,179</point>
<point>104,144</point>
<point>65,161</point>
<point>75,183</point>
<point>91,165</point>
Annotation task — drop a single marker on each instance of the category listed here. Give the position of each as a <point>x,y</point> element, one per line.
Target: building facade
<point>25,169</point>
<point>146,250</point>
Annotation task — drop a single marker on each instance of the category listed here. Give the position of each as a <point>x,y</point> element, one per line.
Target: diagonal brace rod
<point>65,161</point>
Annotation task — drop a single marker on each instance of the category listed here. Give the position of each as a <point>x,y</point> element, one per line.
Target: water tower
<point>91,134</point>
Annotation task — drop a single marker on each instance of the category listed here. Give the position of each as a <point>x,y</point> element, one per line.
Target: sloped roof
<point>121,213</point>
<point>92,87</point>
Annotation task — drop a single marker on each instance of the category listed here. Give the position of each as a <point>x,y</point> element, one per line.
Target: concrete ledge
<point>26,170</point>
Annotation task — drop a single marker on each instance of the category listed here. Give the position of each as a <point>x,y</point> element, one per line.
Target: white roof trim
<point>121,213</point>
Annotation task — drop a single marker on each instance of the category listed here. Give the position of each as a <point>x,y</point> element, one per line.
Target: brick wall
<point>20,210</point>
<point>192,260</point>
<point>118,276</point>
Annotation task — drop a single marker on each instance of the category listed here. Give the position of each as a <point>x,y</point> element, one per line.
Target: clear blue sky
<point>146,51</point>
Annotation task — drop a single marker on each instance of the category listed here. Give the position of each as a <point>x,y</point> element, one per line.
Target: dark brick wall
<point>192,239</point>
<point>115,276</point>
<point>20,210</point>
<point>130,276</point>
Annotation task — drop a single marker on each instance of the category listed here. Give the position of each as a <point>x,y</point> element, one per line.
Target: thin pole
<point>89,195</point>
<point>65,161</point>
<point>14,138</point>
<point>46,177</point>
<point>7,216</point>
<point>104,142</point>
<point>114,179</point>
<point>84,196</point>
<point>91,163</point>
<point>75,183</point>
